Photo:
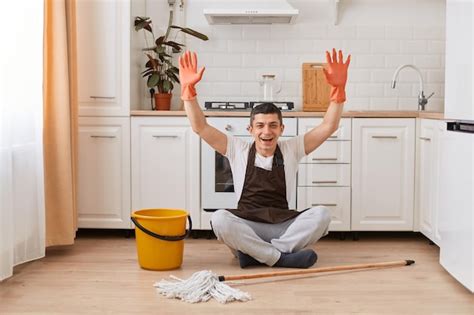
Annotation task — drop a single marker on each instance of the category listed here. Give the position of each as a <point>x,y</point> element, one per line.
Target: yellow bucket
<point>159,235</point>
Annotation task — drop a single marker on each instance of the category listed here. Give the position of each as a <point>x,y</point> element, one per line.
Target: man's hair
<point>265,108</point>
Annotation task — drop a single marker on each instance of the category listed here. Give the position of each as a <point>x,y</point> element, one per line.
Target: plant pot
<point>162,101</point>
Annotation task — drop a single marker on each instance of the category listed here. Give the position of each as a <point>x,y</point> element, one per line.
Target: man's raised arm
<point>189,76</point>
<point>336,76</point>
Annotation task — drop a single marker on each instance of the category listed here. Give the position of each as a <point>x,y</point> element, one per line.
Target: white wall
<point>380,35</point>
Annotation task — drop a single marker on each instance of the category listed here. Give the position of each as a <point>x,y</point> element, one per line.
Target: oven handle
<point>164,237</point>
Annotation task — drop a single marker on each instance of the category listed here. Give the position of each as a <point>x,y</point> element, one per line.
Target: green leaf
<point>148,72</point>
<point>160,40</point>
<point>164,55</point>
<point>143,23</point>
<point>191,32</point>
<point>167,86</point>
<point>142,18</point>
<point>153,80</point>
<point>152,63</point>
<point>174,69</point>
<point>174,45</point>
<point>139,19</point>
<point>172,76</point>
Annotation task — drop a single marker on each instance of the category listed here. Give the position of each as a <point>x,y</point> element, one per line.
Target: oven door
<point>216,180</point>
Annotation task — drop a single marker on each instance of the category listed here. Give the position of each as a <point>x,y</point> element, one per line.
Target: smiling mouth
<point>266,139</point>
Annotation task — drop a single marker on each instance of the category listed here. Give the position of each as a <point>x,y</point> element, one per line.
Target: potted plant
<point>160,71</point>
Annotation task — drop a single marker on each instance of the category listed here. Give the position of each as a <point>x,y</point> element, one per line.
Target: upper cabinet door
<point>459,60</point>
<point>103,57</point>
<point>383,174</point>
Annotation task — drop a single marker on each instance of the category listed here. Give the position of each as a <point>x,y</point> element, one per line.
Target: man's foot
<point>246,260</point>
<point>302,259</point>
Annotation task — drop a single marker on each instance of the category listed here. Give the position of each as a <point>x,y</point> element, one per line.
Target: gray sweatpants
<point>264,241</point>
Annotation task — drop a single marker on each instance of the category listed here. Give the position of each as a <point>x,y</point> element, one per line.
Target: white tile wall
<point>380,35</point>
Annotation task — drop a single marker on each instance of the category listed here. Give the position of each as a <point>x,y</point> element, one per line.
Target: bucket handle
<point>164,237</point>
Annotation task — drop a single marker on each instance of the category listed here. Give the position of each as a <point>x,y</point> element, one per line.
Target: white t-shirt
<point>237,153</point>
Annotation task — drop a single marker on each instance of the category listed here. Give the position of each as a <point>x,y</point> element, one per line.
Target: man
<point>262,230</point>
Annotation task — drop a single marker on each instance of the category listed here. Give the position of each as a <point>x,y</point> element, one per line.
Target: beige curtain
<point>60,121</point>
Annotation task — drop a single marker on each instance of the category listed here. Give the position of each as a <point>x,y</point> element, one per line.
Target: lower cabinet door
<point>383,174</point>
<point>103,192</point>
<point>336,199</point>
<point>165,165</point>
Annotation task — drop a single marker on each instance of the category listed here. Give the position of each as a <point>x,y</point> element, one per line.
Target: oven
<point>217,190</point>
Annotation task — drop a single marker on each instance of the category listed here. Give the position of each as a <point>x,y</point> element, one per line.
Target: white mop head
<point>200,287</point>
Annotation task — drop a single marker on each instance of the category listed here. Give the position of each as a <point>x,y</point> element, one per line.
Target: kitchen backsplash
<point>380,35</point>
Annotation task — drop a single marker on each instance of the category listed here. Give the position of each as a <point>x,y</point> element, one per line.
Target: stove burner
<point>281,105</point>
<point>244,106</point>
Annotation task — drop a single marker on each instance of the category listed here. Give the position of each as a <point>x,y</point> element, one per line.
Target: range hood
<point>251,12</point>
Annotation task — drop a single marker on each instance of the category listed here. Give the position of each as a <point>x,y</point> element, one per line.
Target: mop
<point>204,285</point>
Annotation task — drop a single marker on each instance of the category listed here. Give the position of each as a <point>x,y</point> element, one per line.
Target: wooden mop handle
<point>317,270</point>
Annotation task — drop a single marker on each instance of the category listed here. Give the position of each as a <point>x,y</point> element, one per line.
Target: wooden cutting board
<point>315,88</point>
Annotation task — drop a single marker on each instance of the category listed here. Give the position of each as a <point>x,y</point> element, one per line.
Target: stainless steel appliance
<point>217,188</point>
<point>244,106</point>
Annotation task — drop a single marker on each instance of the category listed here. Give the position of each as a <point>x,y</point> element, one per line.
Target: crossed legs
<point>268,243</point>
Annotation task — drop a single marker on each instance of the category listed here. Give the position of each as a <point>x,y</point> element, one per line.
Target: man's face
<point>266,129</point>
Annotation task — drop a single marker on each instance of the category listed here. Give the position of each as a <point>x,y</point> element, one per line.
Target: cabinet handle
<point>103,97</point>
<point>385,137</point>
<point>228,127</point>
<point>324,204</point>
<point>332,137</point>
<point>324,159</point>
<point>164,136</point>
<point>324,181</point>
<point>110,137</point>
<point>424,138</point>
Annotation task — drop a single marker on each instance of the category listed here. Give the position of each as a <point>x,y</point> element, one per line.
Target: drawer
<point>344,132</point>
<point>336,199</point>
<point>324,175</point>
<point>330,152</point>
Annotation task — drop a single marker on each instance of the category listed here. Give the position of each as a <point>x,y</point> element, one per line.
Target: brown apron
<point>263,196</point>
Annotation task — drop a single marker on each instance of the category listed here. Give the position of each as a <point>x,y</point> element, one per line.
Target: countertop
<point>350,114</point>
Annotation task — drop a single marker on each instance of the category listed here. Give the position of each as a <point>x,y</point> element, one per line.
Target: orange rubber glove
<point>189,75</point>
<point>336,75</point>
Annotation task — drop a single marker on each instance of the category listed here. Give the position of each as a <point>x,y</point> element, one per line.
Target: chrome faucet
<point>422,100</point>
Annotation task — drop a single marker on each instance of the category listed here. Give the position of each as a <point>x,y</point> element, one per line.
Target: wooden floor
<point>100,274</point>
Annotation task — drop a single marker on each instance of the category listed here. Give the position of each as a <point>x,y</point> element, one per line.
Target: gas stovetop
<point>244,106</point>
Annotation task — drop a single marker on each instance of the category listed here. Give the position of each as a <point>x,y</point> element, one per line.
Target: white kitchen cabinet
<point>103,57</point>
<point>383,174</point>
<point>427,190</point>
<point>336,199</point>
<point>103,199</point>
<point>324,176</point>
<point>165,165</point>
